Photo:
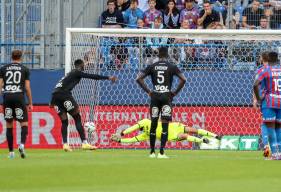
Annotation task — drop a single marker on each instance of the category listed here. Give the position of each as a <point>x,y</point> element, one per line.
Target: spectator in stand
<point>161,5</point>
<point>151,14</point>
<point>243,2</point>
<point>140,24</point>
<point>275,17</point>
<point>190,13</point>
<point>252,15</point>
<point>180,4</point>
<point>122,5</point>
<point>209,18</point>
<point>111,18</point>
<point>143,5</point>
<point>171,16</point>
<point>132,14</point>
<point>263,23</point>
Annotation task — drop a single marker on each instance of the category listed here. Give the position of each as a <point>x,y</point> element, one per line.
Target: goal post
<point>219,66</point>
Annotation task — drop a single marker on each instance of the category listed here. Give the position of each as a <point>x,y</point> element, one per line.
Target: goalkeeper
<point>176,132</point>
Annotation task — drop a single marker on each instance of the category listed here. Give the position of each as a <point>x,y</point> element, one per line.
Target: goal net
<point>219,66</point>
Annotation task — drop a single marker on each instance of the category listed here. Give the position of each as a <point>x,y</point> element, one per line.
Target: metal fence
<point>38,26</point>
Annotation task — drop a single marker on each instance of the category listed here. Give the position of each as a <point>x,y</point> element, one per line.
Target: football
<point>90,126</point>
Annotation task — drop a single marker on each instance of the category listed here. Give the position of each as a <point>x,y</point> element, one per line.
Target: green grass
<point>132,170</point>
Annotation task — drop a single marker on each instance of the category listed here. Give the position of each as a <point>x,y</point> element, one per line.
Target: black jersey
<point>162,73</point>
<point>14,76</point>
<point>68,82</point>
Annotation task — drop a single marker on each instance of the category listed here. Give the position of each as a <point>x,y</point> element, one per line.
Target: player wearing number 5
<point>162,73</point>
<point>270,77</point>
<point>14,82</point>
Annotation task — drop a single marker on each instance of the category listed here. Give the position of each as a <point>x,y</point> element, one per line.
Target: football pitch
<point>132,170</point>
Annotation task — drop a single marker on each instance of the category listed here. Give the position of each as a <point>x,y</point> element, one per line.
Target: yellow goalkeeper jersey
<point>174,129</point>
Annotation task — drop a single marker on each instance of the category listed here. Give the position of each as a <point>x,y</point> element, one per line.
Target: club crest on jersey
<point>8,113</point>
<point>19,113</point>
<point>166,110</point>
<point>68,105</point>
<point>154,112</point>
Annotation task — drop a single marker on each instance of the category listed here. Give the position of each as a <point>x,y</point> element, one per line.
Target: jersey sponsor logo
<point>19,113</point>
<point>68,105</point>
<point>161,88</point>
<point>13,88</point>
<point>8,113</point>
<point>276,74</point>
<point>154,112</point>
<point>166,110</point>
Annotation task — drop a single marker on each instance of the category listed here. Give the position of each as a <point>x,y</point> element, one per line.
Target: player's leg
<point>264,134</point>
<point>22,117</point>
<point>269,118</point>
<point>9,117</point>
<point>58,102</point>
<point>166,117</point>
<point>75,113</point>
<point>278,131</point>
<point>154,113</point>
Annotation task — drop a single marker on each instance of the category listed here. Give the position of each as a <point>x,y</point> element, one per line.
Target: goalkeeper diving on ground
<point>176,132</point>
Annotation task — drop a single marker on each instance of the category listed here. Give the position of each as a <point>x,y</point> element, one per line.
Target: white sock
<point>21,146</point>
<point>85,142</point>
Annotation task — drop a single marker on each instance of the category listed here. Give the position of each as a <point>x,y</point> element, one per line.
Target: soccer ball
<point>90,127</point>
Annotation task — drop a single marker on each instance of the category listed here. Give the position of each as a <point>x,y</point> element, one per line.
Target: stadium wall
<point>210,88</point>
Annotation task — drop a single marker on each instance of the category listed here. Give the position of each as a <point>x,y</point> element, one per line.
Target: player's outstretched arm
<point>202,132</point>
<point>28,94</point>
<point>97,77</point>
<point>185,136</point>
<point>138,138</point>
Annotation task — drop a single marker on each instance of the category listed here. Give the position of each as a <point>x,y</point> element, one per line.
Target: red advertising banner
<point>44,124</point>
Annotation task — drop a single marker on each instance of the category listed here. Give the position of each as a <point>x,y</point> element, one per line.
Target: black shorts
<point>64,103</point>
<point>15,107</point>
<point>161,103</point>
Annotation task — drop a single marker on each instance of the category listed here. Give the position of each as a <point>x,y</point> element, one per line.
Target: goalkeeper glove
<point>115,137</point>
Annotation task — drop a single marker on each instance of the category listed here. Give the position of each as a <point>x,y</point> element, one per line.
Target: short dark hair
<point>163,52</point>
<point>206,2</point>
<point>111,1</point>
<point>16,54</point>
<point>272,57</point>
<point>134,1</point>
<point>78,63</point>
<point>264,56</point>
<point>263,17</point>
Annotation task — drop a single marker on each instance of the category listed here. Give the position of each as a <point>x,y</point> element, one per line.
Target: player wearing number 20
<point>270,77</point>
<point>14,82</point>
<point>161,73</point>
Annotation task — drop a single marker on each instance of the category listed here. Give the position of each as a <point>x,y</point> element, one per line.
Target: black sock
<point>24,132</point>
<point>79,127</point>
<point>10,139</point>
<point>64,125</point>
<point>152,135</point>
<point>164,137</point>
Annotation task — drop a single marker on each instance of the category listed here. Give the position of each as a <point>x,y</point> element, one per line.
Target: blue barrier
<point>202,88</point>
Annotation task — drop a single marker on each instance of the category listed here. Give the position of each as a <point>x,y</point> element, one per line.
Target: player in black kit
<point>64,102</point>
<point>14,82</point>
<point>162,73</point>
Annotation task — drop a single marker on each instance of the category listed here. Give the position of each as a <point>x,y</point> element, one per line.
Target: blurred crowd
<point>129,52</point>
<point>193,14</point>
